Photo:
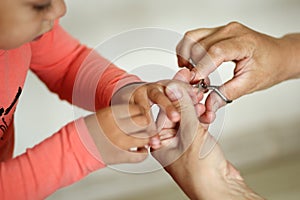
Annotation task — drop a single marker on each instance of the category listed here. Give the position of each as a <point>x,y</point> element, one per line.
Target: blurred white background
<point>261,130</point>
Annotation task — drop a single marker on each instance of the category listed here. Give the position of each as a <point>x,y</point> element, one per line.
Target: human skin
<point>22,21</point>
<point>209,177</point>
<point>261,61</point>
<point>116,129</point>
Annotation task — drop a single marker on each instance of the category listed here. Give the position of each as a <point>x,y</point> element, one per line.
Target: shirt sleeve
<point>75,72</point>
<point>58,161</point>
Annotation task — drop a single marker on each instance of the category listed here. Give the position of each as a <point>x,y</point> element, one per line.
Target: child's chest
<point>14,65</point>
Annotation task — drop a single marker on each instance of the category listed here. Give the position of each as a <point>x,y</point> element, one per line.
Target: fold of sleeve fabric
<point>76,73</point>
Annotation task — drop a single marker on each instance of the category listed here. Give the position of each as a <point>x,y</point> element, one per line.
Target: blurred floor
<point>277,181</point>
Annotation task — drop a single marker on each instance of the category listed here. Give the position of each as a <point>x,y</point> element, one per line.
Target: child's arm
<point>79,148</point>
<point>56,162</point>
<point>60,62</point>
<point>86,79</point>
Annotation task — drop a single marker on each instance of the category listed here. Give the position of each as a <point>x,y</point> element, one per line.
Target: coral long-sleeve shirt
<point>70,154</point>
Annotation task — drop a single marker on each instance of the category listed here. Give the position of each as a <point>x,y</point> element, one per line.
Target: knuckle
<point>216,50</point>
<point>143,121</point>
<point>178,47</point>
<point>250,38</point>
<point>140,89</point>
<point>154,93</point>
<point>234,25</point>
<point>231,27</point>
<point>198,51</point>
<point>190,35</point>
<point>136,108</point>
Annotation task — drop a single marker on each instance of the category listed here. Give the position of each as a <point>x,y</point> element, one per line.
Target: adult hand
<point>261,60</point>
<point>209,177</point>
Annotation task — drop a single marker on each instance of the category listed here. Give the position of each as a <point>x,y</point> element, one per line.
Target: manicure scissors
<point>203,87</point>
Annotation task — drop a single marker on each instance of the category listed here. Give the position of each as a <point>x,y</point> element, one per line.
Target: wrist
<point>124,94</point>
<point>86,138</point>
<point>290,48</point>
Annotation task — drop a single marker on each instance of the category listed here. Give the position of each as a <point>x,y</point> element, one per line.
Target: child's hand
<point>117,129</point>
<point>147,94</point>
<point>166,127</point>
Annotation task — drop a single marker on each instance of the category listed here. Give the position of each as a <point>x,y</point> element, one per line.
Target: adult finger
<point>212,104</point>
<point>190,38</point>
<point>226,50</point>
<point>199,49</point>
<point>232,90</point>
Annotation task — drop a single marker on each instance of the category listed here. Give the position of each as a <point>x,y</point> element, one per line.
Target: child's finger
<point>136,157</point>
<point>129,142</point>
<point>113,144</point>
<point>167,134</point>
<point>127,110</point>
<point>156,95</point>
<point>183,75</point>
<point>140,98</point>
